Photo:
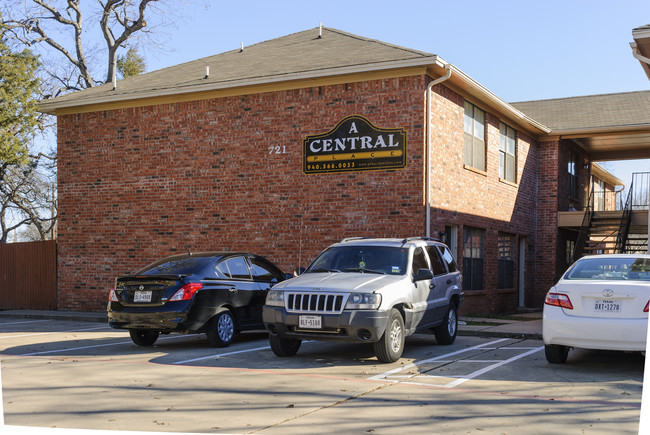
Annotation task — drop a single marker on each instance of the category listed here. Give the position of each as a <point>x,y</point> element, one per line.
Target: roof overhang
<point>611,143</point>
<point>641,47</point>
<point>432,65</point>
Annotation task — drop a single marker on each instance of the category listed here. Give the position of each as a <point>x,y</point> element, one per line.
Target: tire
<point>555,353</point>
<point>143,337</point>
<point>446,332</point>
<point>284,347</point>
<point>390,346</point>
<point>221,329</point>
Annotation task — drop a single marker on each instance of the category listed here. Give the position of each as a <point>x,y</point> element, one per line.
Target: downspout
<point>427,183</point>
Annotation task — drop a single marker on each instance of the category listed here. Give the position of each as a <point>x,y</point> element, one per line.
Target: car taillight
<point>558,300</point>
<point>647,307</point>
<point>186,292</point>
<point>112,296</point>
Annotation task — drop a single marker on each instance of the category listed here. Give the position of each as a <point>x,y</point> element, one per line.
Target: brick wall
<point>462,196</point>
<point>139,184</point>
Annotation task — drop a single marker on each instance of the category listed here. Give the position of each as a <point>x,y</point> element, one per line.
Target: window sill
<point>509,183</point>
<point>476,171</point>
<point>474,293</point>
<point>506,290</point>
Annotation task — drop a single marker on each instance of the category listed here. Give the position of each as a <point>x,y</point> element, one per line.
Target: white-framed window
<point>507,153</point>
<point>474,136</point>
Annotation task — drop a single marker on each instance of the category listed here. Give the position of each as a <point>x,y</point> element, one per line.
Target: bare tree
<point>69,27</point>
<point>27,197</point>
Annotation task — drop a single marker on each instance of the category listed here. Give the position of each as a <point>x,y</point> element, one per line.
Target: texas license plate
<point>142,296</point>
<point>607,305</point>
<point>311,322</point>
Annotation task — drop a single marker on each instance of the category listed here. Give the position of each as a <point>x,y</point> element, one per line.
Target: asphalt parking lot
<point>75,374</point>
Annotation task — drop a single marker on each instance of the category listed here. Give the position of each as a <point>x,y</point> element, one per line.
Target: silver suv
<point>368,291</point>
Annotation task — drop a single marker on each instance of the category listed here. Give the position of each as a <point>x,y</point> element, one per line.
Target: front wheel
<point>284,347</point>
<point>143,337</point>
<point>390,346</point>
<point>221,329</point>
<point>555,353</point>
<point>446,332</point>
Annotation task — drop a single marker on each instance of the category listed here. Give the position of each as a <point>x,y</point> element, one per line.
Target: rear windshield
<point>178,266</point>
<point>629,268</point>
<point>370,259</point>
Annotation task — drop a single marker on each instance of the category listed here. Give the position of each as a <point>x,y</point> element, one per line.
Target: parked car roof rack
<point>350,239</point>
<point>411,239</point>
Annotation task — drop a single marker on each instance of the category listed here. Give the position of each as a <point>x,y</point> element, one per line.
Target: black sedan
<point>219,293</point>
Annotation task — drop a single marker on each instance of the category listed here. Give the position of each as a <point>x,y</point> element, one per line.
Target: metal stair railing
<point>583,234</point>
<point>626,220</point>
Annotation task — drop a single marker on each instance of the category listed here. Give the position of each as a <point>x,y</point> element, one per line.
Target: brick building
<point>286,146</point>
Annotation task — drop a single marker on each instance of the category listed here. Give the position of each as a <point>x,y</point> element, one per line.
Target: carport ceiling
<point>614,146</point>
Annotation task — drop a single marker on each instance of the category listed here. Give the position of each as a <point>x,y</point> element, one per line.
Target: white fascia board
<point>214,86</point>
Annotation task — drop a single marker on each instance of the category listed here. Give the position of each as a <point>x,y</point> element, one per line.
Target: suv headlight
<point>275,298</point>
<point>363,301</point>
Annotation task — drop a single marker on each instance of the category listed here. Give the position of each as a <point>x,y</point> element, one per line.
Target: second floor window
<point>507,153</point>
<point>573,175</point>
<point>474,136</point>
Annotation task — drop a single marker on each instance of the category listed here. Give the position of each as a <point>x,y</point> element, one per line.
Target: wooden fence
<point>28,276</point>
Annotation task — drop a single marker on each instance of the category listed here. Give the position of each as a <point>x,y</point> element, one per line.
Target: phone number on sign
<point>324,166</point>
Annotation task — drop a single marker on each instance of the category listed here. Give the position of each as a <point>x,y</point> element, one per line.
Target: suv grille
<point>328,303</point>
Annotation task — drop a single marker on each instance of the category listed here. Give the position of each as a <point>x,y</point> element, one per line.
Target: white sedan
<point>601,302</point>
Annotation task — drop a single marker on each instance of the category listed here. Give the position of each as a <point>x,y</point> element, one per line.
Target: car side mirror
<point>423,274</point>
<point>298,271</point>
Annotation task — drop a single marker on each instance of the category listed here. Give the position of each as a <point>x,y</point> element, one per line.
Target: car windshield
<point>623,268</point>
<point>175,266</point>
<point>365,259</point>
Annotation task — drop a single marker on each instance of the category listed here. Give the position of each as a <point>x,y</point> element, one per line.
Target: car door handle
<point>449,281</point>
<point>432,285</point>
<point>233,290</point>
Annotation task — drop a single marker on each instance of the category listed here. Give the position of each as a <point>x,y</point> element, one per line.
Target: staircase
<point>608,232</point>
<point>603,230</point>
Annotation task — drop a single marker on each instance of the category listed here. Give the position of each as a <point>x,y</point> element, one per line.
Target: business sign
<point>355,144</point>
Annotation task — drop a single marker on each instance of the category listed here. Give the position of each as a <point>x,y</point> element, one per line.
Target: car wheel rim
<point>225,327</point>
<point>395,337</point>
<point>451,322</point>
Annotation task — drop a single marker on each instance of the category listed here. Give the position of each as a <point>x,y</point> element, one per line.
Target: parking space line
<point>53,332</point>
<point>26,321</point>
<point>68,349</point>
<point>222,354</point>
<point>490,368</point>
<point>483,346</point>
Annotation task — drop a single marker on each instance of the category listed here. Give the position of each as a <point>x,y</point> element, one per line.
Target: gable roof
<point>308,54</point>
<point>622,110</point>
<point>608,126</point>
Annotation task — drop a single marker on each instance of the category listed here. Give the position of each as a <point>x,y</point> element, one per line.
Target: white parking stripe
<point>68,349</point>
<point>53,332</point>
<point>26,321</point>
<point>445,359</point>
<point>222,354</point>
<point>490,368</point>
<point>437,358</point>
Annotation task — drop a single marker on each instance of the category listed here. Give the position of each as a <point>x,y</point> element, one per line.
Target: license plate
<point>142,296</point>
<point>607,305</point>
<point>311,322</point>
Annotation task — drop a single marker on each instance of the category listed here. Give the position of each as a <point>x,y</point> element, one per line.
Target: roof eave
<point>52,107</point>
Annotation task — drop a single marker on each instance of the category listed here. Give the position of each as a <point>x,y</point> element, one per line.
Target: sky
<point>519,50</point>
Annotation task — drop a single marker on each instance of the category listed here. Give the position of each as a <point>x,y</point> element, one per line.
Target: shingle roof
<point>590,112</point>
<point>300,54</point>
